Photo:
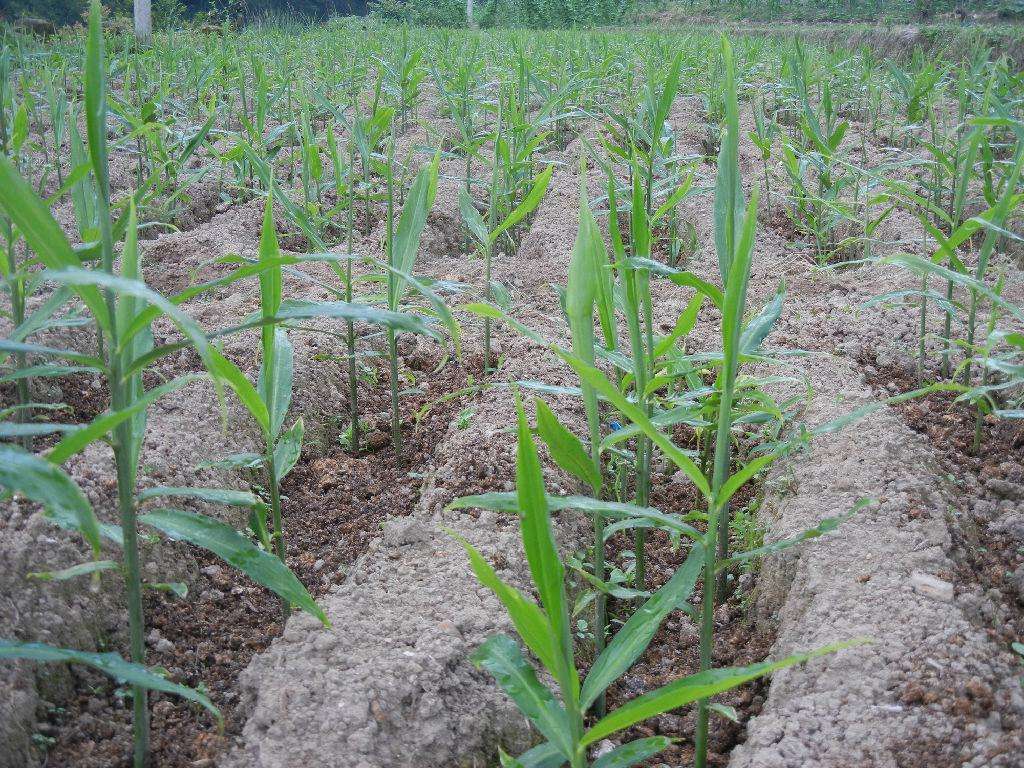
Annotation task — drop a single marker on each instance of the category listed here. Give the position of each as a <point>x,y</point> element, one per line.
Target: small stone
<point>1004,489</point>
<point>163,645</point>
<point>405,530</point>
<point>603,747</point>
<point>211,570</point>
<point>931,586</point>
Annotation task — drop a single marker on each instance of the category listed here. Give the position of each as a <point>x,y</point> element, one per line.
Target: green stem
<point>275,515</point>
<point>123,458</point>
<point>350,330</point>
<point>487,299</point>
<point>601,602</point>
<point>642,465</point>
<point>133,589</point>
<point>922,329</point>
<point>396,423</point>
<point>715,549</point>
<point>22,390</point>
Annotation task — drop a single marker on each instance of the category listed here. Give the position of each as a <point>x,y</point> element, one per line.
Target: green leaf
<point>176,588</point>
<point>728,204</point>
<point>531,201</point>
<point>411,222</point>
<point>288,449</point>
<point>668,95</point>
<point>681,192</point>
<point>679,277</point>
<point>95,71</point>
<point>600,382</point>
<point>684,324</point>
<point>236,550</point>
<point>298,309</point>
<point>109,663</point>
<point>544,755</point>
<point>759,327</point>
<point>43,482</point>
<point>42,316</point>
<point>500,655</point>
<point>136,289</point>
<point>735,297</point>
<point>500,501</point>
<point>723,710</point>
<point>546,568</point>
<point>703,685</point>
<point>226,496</point>
<point>82,569</point>
<point>826,525</point>
<point>11,430</point>
<point>471,217</point>
<point>230,374</point>
<point>926,266</point>
<point>234,461</point>
<point>634,752</point>
<point>635,635</point>
<point>269,279</point>
<point>527,617</point>
<point>278,400</point>
<point>507,761</point>
<point>15,347</point>
<point>440,308</point>
<point>44,235</point>
<point>585,285</point>
<point>736,481</point>
<point>566,449</point>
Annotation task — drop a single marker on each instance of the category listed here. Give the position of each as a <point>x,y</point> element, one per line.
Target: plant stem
<point>487,299</point>
<point>275,515</point>
<point>922,329</point>
<point>133,580</point>
<point>353,384</point>
<point>715,547</point>
<point>396,424</point>
<point>642,467</point>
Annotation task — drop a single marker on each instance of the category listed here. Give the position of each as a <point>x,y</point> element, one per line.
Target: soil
<point>989,558</point>
<point>390,686</point>
<point>675,650</point>
<point>82,398</point>
<point>333,506</point>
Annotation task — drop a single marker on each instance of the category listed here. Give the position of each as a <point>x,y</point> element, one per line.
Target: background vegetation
<point>536,13</point>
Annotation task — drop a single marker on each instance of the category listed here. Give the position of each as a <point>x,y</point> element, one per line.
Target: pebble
<point>603,748</point>
<point>931,586</point>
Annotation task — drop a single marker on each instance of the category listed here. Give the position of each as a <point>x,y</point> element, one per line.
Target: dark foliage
<point>70,11</point>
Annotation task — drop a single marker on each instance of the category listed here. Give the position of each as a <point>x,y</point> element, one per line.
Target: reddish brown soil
<point>674,652</point>
<point>81,402</point>
<point>986,561</point>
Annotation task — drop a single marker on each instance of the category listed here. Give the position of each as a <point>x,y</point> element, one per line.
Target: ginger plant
<point>122,308</point>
